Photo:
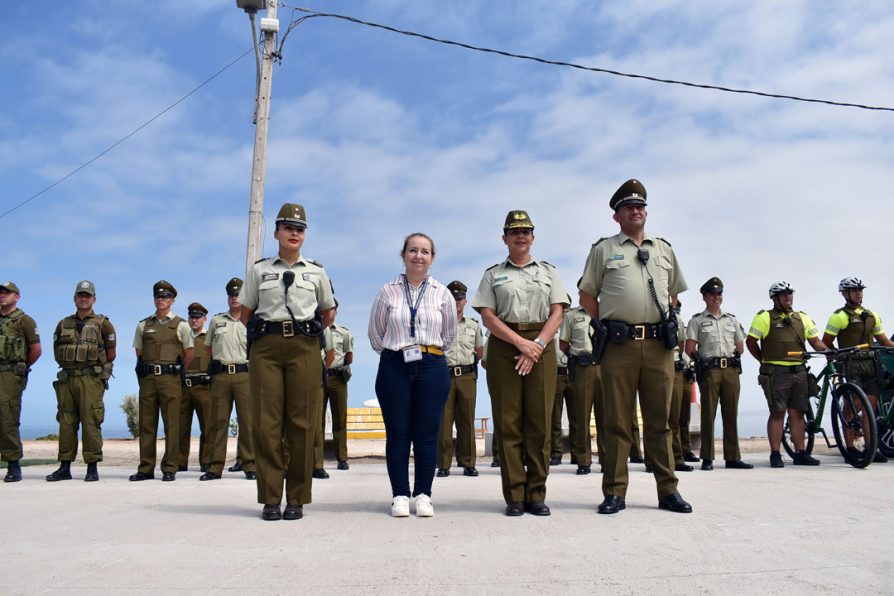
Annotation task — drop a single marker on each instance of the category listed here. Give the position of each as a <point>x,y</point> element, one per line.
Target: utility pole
<point>270,27</point>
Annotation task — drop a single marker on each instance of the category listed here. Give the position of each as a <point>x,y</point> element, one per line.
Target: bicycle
<point>851,413</point>
<point>885,414</point>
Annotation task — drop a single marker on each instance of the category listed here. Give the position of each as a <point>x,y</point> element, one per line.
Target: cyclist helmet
<point>850,283</point>
<point>780,287</point>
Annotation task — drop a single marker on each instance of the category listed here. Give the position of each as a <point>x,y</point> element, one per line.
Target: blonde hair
<point>417,235</point>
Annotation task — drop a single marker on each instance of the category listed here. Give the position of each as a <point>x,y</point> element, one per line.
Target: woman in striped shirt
<point>412,323</point>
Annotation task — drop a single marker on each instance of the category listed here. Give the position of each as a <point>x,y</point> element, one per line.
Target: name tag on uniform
<point>412,353</point>
<point>269,276</point>
<point>305,276</point>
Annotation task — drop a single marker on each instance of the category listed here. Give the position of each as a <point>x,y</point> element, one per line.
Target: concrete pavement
<point>826,529</point>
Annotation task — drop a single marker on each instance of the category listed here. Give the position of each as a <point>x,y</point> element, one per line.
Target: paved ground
<point>760,531</point>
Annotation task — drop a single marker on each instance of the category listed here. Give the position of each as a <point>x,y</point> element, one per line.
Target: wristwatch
<point>540,343</point>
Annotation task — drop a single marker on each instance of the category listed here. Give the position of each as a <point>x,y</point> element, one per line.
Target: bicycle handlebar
<point>836,352</point>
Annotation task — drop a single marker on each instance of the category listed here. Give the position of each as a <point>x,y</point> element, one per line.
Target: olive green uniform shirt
<point>264,291</point>
<point>227,338</point>
<point>520,294</point>
<point>614,274</point>
<point>716,336</point>
<point>183,331</point>
<point>575,330</point>
<point>468,337</point>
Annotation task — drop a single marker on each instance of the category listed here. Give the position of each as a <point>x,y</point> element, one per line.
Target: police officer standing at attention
<point>853,325</point>
<point>229,383</point>
<point>715,341</point>
<point>783,378</point>
<point>84,347</point>
<point>521,302</point>
<point>196,392</point>
<point>574,339</point>
<point>339,357</point>
<point>164,347</point>
<point>280,301</point>
<point>629,285</point>
<point>19,349</point>
<point>462,362</point>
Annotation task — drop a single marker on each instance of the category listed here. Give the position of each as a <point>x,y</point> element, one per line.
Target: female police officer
<point>521,302</point>
<point>280,299</point>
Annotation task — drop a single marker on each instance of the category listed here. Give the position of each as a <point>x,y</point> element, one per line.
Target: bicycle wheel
<point>853,423</point>
<point>885,432</point>
<point>787,442</point>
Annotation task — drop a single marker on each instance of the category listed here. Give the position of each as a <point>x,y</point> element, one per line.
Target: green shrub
<point>131,408</point>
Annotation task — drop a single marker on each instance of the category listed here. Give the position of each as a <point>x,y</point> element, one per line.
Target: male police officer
<point>229,383</point>
<point>715,341</point>
<point>164,347</point>
<point>196,393</point>
<point>462,362</point>
<point>84,346</point>
<point>629,284</point>
<point>574,340</point>
<point>339,356</point>
<point>783,377</point>
<point>19,349</point>
<point>564,396</point>
<point>853,325</point>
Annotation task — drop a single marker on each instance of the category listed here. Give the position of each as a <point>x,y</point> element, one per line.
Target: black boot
<point>92,473</point>
<point>63,473</point>
<point>13,472</point>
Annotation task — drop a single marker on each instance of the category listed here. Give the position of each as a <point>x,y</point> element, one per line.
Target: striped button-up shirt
<point>389,320</point>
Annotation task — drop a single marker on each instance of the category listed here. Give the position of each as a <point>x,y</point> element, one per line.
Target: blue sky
<point>380,135</point>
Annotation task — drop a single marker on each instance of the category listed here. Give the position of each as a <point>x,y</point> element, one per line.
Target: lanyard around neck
<point>414,308</point>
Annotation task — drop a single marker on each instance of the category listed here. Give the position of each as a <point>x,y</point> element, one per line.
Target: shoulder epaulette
<point>598,241</point>
<point>146,320</point>
<point>492,266</point>
<point>219,314</point>
<point>262,259</point>
<point>663,240</point>
<point>548,263</point>
<point>315,262</point>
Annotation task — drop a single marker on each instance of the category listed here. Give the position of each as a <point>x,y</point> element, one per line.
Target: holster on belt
<point>599,339</point>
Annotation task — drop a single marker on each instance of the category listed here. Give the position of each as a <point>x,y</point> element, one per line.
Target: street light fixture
<point>251,6</point>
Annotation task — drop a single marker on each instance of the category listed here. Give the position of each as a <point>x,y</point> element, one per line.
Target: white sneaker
<point>400,507</point>
<point>422,502</point>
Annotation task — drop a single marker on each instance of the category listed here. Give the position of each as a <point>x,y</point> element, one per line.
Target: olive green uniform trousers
<point>645,367</point>
<point>522,409</point>
<point>673,421</point>
<point>195,399</point>
<point>460,407</point>
<point>227,389</point>
<point>720,385</point>
<point>564,397</point>
<point>11,387</point>
<point>587,398</point>
<point>336,396</point>
<point>159,393</point>
<point>286,377</point>
<point>79,403</point>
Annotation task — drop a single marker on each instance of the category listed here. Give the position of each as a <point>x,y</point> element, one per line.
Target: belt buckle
<point>156,369</point>
<point>188,382</point>
<point>724,363</point>
<point>639,332</point>
<point>288,330</point>
<point>457,371</point>
<point>231,369</point>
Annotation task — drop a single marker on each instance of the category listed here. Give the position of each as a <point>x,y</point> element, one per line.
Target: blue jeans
<point>412,396</point>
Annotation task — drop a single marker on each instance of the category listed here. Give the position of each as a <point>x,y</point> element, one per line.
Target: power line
<point>357,21</point>
<point>127,136</point>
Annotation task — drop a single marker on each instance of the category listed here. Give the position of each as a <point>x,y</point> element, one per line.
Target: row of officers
<point>269,351</point>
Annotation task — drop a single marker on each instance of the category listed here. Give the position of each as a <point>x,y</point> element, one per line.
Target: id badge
<point>412,353</point>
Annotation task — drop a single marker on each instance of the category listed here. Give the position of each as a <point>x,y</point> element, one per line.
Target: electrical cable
<point>592,68</point>
<point>127,136</point>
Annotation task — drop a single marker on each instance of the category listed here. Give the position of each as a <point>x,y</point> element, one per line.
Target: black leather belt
<point>562,370</point>
<point>722,362</point>
<point>583,359</point>
<point>619,331</point>
<point>145,370</point>
<point>195,380</point>
<point>465,369</point>
<point>337,372</point>
<point>217,368</point>
<point>309,328</point>
<point>679,365</point>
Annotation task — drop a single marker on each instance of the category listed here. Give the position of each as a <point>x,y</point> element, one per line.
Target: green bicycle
<point>885,415</point>
<point>853,422</point>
